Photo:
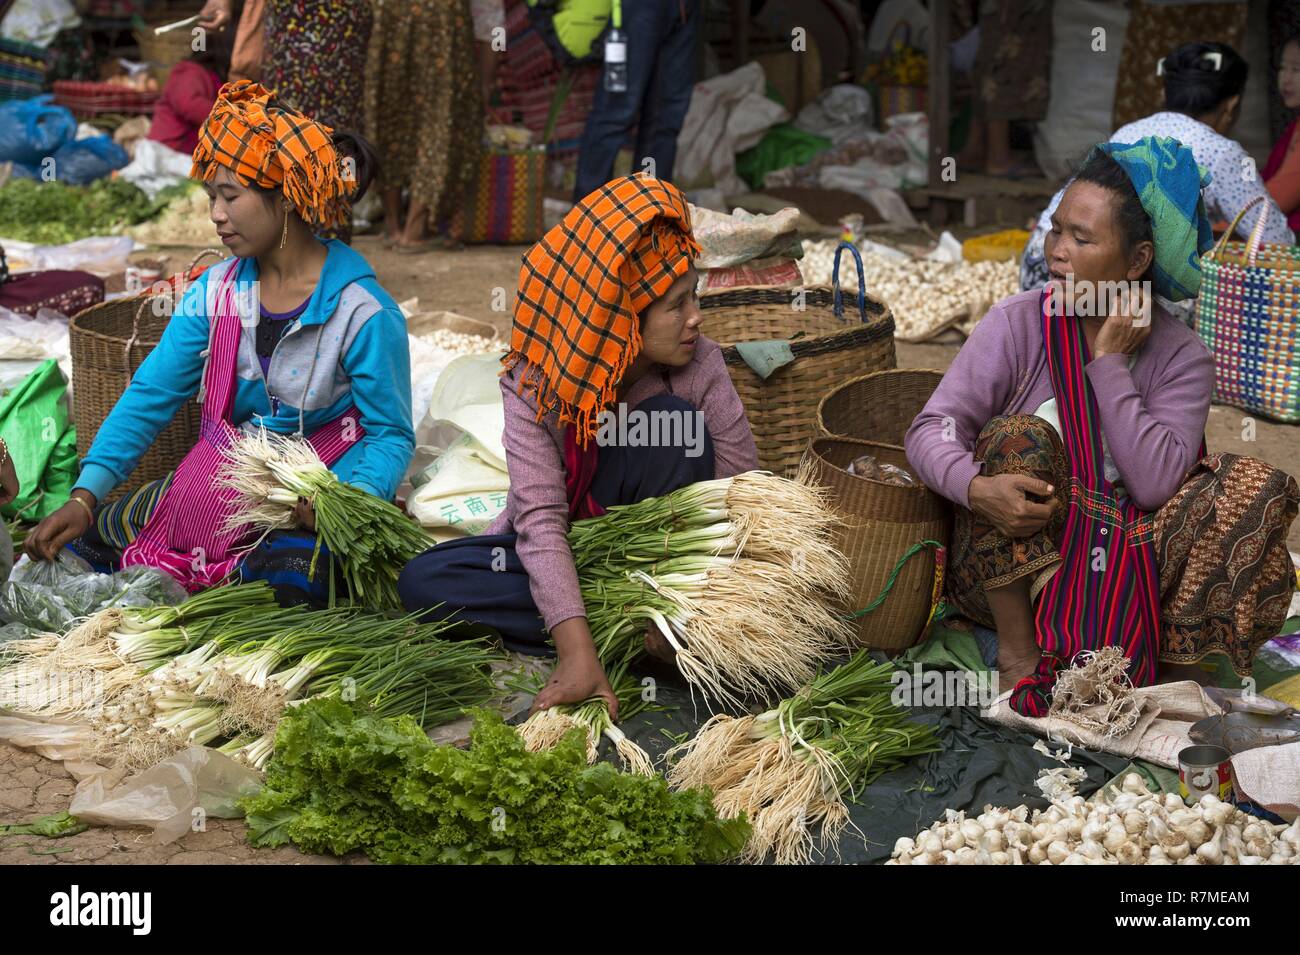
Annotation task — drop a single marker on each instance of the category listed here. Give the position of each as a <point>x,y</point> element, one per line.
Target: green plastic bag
<point>35,424</point>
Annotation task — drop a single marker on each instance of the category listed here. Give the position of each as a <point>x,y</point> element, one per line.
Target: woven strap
<point>937,590</point>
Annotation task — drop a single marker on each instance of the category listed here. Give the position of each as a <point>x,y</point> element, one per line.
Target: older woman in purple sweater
<point>1069,434</point>
<point>606,334</point>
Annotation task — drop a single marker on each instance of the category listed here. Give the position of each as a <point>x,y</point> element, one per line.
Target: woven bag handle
<point>862,284</point>
<point>1256,232</point>
<point>135,322</point>
<point>1227,236</point>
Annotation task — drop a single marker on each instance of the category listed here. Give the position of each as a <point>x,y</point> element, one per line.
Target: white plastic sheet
<point>728,114</point>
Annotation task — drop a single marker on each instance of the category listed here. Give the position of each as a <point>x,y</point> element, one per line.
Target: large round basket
<point>108,343</point>
<point>887,533</point>
<point>880,406</point>
<point>825,346</point>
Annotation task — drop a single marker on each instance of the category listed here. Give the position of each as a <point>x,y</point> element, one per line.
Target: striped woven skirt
<point>1226,578</point>
<point>282,559</point>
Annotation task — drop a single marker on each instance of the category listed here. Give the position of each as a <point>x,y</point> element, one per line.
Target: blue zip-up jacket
<point>348,347</point>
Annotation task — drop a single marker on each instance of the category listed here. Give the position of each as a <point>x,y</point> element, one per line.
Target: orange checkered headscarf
<point>275,149</point>
<point>583,287</point>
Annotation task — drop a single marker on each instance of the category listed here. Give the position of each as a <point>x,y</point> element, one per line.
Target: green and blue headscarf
<point>1168,183</point>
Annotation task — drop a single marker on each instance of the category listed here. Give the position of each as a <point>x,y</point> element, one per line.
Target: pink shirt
<point>186,100</point>
<point>537,507</point>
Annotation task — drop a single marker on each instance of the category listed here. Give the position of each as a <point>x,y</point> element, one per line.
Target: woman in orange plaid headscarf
<point>584,287</point>
<point>275,148</point>
<point>606,340</point>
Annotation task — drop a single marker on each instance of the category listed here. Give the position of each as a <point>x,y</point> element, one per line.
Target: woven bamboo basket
<point>828,346</point>
<point>883,533</point>
<point>163,51</point>
<point>108,343</point>
<point>880,406</point>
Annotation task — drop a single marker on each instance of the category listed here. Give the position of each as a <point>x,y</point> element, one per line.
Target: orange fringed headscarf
<point>583,287</point>
<point>275,149</point>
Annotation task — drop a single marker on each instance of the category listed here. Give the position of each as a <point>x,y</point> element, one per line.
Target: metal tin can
<point>1203,770</point>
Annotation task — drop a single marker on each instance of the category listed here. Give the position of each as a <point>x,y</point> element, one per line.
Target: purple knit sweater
<point>537,506</point>
<point>1153,417</point>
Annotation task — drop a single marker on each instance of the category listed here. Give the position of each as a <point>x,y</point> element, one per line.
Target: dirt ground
<point>478,282</point>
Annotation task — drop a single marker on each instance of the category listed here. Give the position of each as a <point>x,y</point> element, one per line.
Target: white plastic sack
<point>728,114</point>
<point>155,167</point>
<point>33,337</point>
<point>841,113</point>
<point>464,488</point>
<point>728,240</point>
<point>102,255</point>
<point>38,21</point>
<point>1083,87</point>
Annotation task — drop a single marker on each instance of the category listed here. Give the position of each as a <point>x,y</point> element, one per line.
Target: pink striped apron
<point>183,536</point>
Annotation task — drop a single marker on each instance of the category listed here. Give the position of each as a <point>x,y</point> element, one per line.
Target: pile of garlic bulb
<point>924,296</point>
<point>1130,826</point>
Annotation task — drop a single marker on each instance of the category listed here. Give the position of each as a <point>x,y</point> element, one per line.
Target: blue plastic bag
<point>31,129</point>
<point>85,160</point>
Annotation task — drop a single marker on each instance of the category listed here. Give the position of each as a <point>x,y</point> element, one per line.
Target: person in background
<point>314,58</point>
<point>1282,171</point>
<point>189,93</point>
<point>489,17</point>
<point>624,331</point>
<point>1012,77</point>
<point>1072,416</point>
<point>1203,87</point>
<point>425,103</point>
<point>661,38</point>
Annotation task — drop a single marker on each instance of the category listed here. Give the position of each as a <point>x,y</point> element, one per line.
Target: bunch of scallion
<point>740,575</point>
<point>75,675</point>
<point>371,539</point>
<point>545,728</point>
<point>237,688</point>
<point>792,767</point>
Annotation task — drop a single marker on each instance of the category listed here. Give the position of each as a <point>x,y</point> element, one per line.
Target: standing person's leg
<point>669,94</point>
<point>613,115</point>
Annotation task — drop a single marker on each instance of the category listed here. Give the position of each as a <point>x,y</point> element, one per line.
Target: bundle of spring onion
<point>740,576</point>
<point>76,674</point>
<point>238,689</point>
<point>546,728</point>
<point>792,767</point>
<point>371,539</point>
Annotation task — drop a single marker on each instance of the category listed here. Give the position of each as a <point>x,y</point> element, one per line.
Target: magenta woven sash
<point>184,536</point>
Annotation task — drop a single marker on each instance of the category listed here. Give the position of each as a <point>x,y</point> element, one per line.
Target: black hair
<point>1130,218</point>
<point>1192,84</point>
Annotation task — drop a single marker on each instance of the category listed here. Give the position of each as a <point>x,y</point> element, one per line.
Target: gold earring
<point>284,234</point>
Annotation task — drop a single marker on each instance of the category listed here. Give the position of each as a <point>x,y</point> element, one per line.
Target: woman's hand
<point>1003,501</point>
<point>8,479</point>
<point>305,513</point>
<point>1127,327</point>
<point>215,14</point>
<point>578,675</point>
<point>61,528</point>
